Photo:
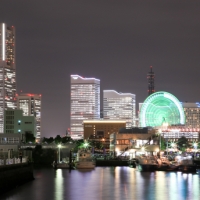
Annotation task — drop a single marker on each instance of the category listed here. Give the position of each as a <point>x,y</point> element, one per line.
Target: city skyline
<point>114,42</point>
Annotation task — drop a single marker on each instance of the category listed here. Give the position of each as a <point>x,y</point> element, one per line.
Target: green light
<point>85,145</point>
<point>160,108</point>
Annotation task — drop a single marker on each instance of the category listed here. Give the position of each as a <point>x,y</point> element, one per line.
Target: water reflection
<point>108,183</point>
<point>59,191</point>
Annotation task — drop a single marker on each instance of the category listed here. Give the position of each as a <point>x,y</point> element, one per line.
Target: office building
<point>15,122</point>
<point>30,104</point>
<point>192,114</point>
<point>119,106</point>
<point>7,71</point>
<point>85,103</point>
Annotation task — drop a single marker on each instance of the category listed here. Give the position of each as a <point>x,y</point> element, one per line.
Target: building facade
<point>85,103</point>
<point>99,129</point>
<point>192,114</point>
<point>119,106</point>
<point>30,104</point>
<point>7,71</point>
<point>15,122</point>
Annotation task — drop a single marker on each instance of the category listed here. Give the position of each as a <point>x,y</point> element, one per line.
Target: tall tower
<point>119,106</point>
<point>150,77</point>
<point>85,103</point>
<point>7,71</point>
<point>31,106</point>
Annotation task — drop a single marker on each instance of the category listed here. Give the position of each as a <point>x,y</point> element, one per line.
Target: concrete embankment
<point>111,163</point>
<point>14,175</point>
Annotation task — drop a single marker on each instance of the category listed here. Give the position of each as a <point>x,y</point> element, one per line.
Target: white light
<point>3,41</point>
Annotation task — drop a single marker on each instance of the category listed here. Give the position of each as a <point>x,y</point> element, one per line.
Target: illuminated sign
<point>175,134</point>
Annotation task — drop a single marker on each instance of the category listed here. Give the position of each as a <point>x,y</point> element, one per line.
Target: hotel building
<point>7,71</point>
<point>119,106</point>
<point>85,103</point>
<point>102,128</point>
<point>30,104</point>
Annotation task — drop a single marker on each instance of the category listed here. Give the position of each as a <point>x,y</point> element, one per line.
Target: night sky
<point>115,41</point>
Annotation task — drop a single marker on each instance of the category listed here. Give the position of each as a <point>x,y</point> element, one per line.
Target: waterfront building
<point>130,140</point>
<point>102,128</point>
<point>15,122</point>
<point>30,104</point>
<point>119,106</point>
<point>192,114</point>
<point>173,133</point>
<point>7,71</point>
<point>85,103</point>
<point>10,142</point>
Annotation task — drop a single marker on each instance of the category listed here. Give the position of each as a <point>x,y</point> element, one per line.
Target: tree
<point>163,144</point>
<point>183,143</point>
<point>66,139</point>
<point>58,139</point>
<point>29,138</point>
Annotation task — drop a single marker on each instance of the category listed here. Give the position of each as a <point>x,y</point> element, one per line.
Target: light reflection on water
<point>108,183</point>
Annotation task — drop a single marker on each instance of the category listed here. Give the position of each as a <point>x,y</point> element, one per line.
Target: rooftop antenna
<point>150,77</point>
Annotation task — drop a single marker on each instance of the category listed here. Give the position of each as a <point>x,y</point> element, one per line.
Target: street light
<point>59,146</point>
<point>86,144</point>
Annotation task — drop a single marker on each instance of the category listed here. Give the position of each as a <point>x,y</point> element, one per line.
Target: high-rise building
<point>85,103</point>
<point>31,106</point>
<point>192,114</point>
<point>150,77</point>
<point>7,71</point>
<point>119,106</point>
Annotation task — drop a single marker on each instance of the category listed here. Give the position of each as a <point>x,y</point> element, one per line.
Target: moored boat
<point>165,165</point>
<point>186,164</point>
<point>146,163</point>
<point>84,160</point>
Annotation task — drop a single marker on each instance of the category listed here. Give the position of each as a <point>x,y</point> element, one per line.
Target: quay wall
<point>111,163</point>
<point>14,175</point>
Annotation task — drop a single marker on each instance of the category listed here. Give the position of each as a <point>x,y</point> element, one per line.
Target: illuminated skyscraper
<point>7,71</point>
<point>192,114</point>
<point>31,106</point>
<point>120,106</point>
<point>85,102</point>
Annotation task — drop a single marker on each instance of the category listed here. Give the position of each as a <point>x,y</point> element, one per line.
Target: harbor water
<point>107,183</point>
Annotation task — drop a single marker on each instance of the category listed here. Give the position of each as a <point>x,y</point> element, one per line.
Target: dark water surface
<point>108,183</point>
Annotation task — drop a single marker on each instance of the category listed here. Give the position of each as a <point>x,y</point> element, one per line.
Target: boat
<point>60,165</point>
<point>165,165</point>
<point>186,164</point>
<point>146,163</point>
<point>131,163</point>
<point>64,164</point>
<point>84,159</point>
